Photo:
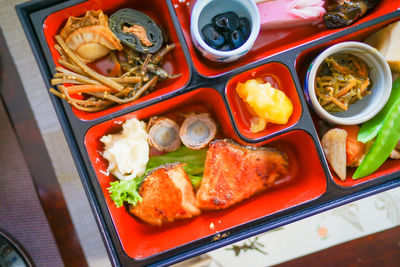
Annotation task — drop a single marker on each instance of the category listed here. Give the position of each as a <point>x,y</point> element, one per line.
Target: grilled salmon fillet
<point>167,195</point>
<point>233,173</point>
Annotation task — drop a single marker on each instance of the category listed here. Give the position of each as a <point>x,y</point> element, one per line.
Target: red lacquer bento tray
<point>279,57</point>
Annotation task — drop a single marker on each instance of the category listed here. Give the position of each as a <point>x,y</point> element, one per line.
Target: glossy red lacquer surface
<point>389,167</point>
<point>278,75</point>
<point>269,42</point>
<point>306,180</point>
<point>174,62</point>
<point>305,59</point>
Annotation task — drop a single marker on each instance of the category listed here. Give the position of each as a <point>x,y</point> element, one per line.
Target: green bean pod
<point>129,17</point>
<point>384,144</point>
<point>369,130</point>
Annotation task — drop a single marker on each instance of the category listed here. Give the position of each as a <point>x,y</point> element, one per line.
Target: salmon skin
<point>233,173</point>
<point>167,196</point>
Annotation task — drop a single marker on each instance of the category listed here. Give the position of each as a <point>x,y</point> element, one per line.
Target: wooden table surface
<point>378,249</point>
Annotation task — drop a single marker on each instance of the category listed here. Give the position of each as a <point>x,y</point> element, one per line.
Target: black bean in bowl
<point>227,31</point>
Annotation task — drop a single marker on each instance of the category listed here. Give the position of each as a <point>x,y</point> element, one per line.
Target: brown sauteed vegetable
<point>343,13</point>
<point>342,80</point>
<point>134,74</point>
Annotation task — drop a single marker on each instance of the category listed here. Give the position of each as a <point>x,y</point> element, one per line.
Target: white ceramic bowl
<point>369,105</point>
<point>202,13</point>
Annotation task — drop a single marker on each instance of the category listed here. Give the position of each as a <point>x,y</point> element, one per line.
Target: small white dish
<point>369,105</point>
<point>202,13</point>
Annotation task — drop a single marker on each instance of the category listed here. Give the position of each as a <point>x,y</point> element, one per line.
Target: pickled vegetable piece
<point>267,102</point>
<point>257,124</point>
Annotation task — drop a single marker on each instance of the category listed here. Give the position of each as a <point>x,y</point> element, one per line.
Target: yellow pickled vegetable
<point>268,103</point>
<point>257,124</point>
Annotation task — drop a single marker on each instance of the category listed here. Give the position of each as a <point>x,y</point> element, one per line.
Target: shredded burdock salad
<point>342,80</point>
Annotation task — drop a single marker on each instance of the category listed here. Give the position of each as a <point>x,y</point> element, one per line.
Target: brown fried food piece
<point>233,173</point>
<point>334,146</point>
<point>167,196</point>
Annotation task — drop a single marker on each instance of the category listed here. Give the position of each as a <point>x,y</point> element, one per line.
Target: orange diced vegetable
<point>354,148</point>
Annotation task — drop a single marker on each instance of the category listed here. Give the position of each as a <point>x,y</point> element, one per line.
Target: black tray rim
<point>74,139</point>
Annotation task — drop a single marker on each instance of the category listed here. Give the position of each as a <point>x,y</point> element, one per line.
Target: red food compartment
<point>279,76</point>
<point>306,180</point>
<point>174,61</point>
<point>389,167</point>
<point>269,42</point>
<point>302,64</point>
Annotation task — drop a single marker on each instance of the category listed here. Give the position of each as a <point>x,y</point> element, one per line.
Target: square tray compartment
<point>174,62</point>
<point>306,181</point>
<point>305,59</point>
<point>279,76</point>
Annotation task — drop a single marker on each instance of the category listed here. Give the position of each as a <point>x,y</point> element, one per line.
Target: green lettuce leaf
<point>127,190</point>
<point>193,158</point>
